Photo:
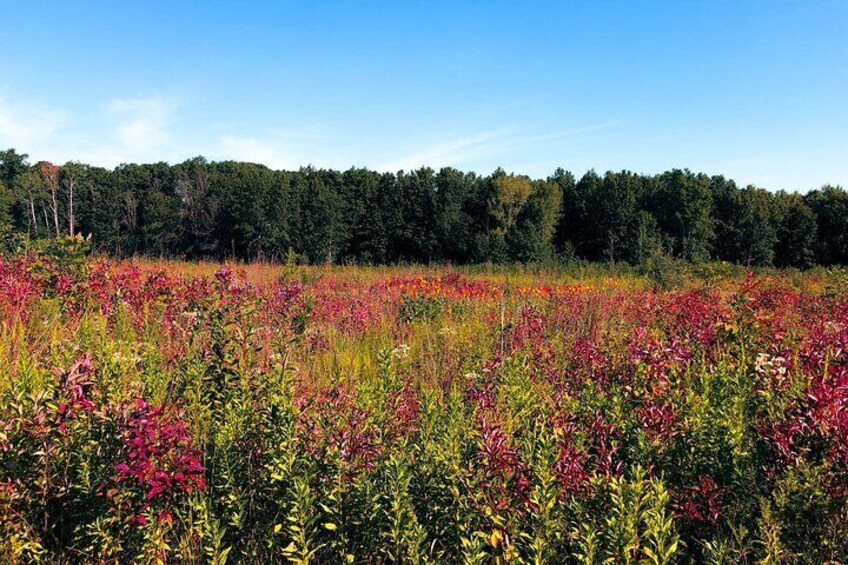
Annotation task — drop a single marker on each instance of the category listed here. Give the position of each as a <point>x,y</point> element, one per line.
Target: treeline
<point>201,209</point>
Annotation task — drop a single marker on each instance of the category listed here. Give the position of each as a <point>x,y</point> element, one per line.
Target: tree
<point>415,229</point>
<point>100,210</point>
<point>830,205</point>
<point>198,210</point>
<point>148,208</point>
<point>510,195</point>
<point>252,209</point>
<point>569,217</point>
<point>506,197</point>
<point>51,177</point>
<point>610,215</point>
<point>682,208</point>
<point>12,164</point>
<point>757,227</point>
<point>455,193</point>
<point>245,210</point>
<point>367,239</point>
<point>30,189</point>
<point>6,199</point>
<point>320,231</point>
<point>532,237</point>
<point>71,176</point>
<point>796,232</point>
<point>726,209</point>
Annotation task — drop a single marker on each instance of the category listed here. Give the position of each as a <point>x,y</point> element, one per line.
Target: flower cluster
<point>160,459</point>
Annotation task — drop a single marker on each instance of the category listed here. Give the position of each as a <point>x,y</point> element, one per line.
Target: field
<point>201,413</point>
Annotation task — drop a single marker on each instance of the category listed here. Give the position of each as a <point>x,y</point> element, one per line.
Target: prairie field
<point>167,412</point>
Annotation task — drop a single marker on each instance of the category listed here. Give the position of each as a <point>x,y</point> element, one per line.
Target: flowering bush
<point>158,463</point>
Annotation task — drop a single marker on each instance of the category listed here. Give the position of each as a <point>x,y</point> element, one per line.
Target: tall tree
<point>415,232</point>
<point>30,188</point>
<point>830,205</point>
<point>12,164</point>
<point>532,238</point>
<point>6,199</point>
<point>610,215</point>
<point>569,217</point>
<point>51,177</point>
<point>199,209</point>
<point>455,192</point>
<point>321,230</point>
<point>72,176</point>
<point>796,231</point>
<point>682,209</point>
<point>757,227</point>
<point>507,197</point>
<point>367,239</point>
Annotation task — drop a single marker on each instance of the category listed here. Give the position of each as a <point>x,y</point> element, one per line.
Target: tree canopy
<point>203,209</point>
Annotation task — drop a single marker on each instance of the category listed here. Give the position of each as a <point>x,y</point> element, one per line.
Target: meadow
<point>165,412</point>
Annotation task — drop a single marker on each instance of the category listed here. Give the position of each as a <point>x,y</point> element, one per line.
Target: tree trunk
<point>71,218</point>
<point>32,210</point>
<point>55,209</point>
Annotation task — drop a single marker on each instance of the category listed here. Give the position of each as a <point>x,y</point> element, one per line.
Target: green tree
<point>610,215</point>
<point>414,229</point>
<point>31,196</point>
<point>367,238</point>
<point>148,209</point>
<point>507,196</point>
<point>757,227</point>
<point>321,231</point>
<point>726,208</point>
<point>455,191</point>
<point>830,205</point>
<point>570,213</point>
<point>532,238</point>
<point>797,231</point>
<point>12,164</point>
<point>682,208</point>
<point>252,209</point>
<point>6,200</point>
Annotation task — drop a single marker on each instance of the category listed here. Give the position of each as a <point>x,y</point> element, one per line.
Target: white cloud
<point>279,148</point>
<point>27,127</point>
<point>255,150</point>
<point>451,153</point>
<point>485,145</point>
<point>547,137</point>
<point>142,122</point>
<point>129,130</point>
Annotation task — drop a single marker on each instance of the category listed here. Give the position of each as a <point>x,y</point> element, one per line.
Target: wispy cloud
<point>134,129</point>
<point>481,146</point>
<point>254,150</point>
<point>279,148</point>
<point>142,123</point>
<point>547,137</point>
<point>26,126</point>
<point>448,153</point>
<point>148,129</point>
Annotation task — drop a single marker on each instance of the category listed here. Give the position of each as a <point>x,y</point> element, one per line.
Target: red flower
<point>159,457</point>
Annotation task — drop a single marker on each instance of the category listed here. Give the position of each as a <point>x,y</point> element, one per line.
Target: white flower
<point>401,351</point>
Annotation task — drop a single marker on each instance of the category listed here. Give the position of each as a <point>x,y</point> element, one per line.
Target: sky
<point>756,90</point>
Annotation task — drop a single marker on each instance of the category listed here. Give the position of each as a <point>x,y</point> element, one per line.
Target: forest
<point>202,209</point>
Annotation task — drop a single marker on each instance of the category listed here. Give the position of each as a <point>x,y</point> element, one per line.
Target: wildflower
<point>159,458</point>
<point>401,351</point>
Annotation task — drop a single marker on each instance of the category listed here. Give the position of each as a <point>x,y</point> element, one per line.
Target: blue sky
<point>754,90</point>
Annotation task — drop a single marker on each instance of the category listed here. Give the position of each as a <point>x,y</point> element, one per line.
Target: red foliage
<point>159,458</point>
